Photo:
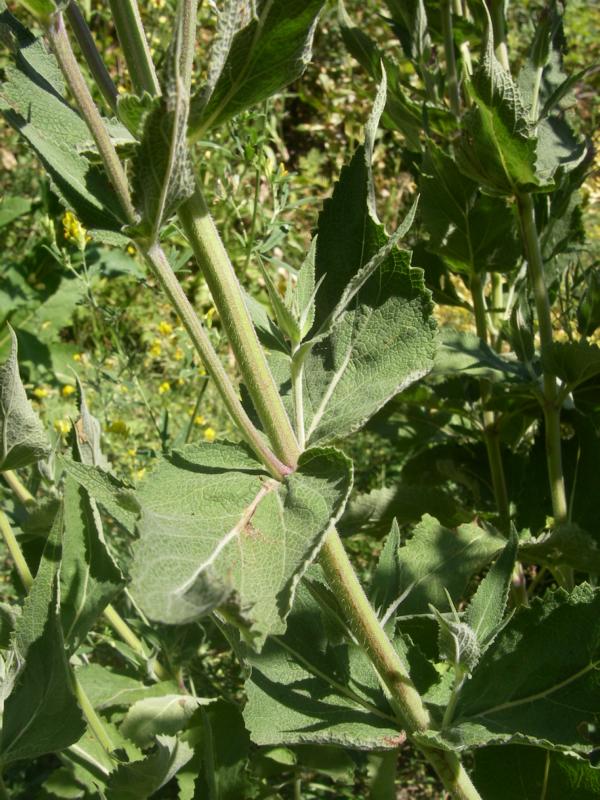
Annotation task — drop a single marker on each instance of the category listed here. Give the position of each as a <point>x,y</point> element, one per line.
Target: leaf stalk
<point>130,30</point>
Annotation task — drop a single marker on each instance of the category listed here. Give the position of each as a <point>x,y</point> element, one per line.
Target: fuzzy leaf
<point>436,559</point>
<point>537,684</point>
<point>534,773</point>
<point>142,779</point>
<point>462,352</point>
<point>41,714</point>
<point>89,577</point>
<point>106,688</point>
<point>267,55</point>
<point>386,577</point>
<point>153,716</point>
<point>573,362</point>
<point>302,691</point>
<point>23,440</point>
<point>216,530</point>
<point>32,101</point>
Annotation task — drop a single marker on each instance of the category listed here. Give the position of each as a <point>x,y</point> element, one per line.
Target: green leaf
<point>23,440</point>
<point>106,688</point>
<point>42,10</point>
<point>264,57</point>
<point>534,773</point>
<point>142,779</point>
<point>436,559</point>
<point>472,232</point>
<point>89,577</point>
<point>573,362</point>
<point>386,577</point>
<point>41,714</point>
<point>240,539</point>
<point>498,145</point>
<point>32,101</point>
<point>162,172</point>
<point>303,691</point>
<point>152,716</point>
<point>538,683</point>
<point>465,353</point>
<point>485,613</point>
<point>12,208</point>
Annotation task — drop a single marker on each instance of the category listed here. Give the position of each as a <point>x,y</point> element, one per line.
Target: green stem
<point>4,795</point>
<point>92,718</point>
<point>535,100</point>
<point>298,397</point>
<point>451,73</point>
<point>21,492</point>
<point>497,309</point>
<point>15,550</point>
<point>130,30</point>
<point>78,87</point>
<point>122,629</point>
<point>229,301</point>
<point>490,430</point>
<point>551,404</point>
<point>188,17</point>
<point>497,14</point>
<point>90,52</point>
<point>158,263</point>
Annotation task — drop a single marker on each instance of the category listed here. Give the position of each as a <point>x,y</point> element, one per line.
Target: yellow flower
<point>132,452</point>
<point>139,474</point>
<point>201,371</point>
<point>74,230</point>
<point>119,427</point>
<point>164,387</point>
<point>131,249</point>
<point>68,390</point>
<point>40,392</point>
<point>180,381</point>
<point>199,420</point>
<point>210,434</point>
<point>165,328</point>
<point>155,349</point>
<point>77,356</point>
<point>282,172</point>
<point>178,354</point>
<point>62,426</point>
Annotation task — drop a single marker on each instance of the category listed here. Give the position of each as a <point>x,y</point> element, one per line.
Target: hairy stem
<point>490,431</point>
<point>15,551</point>
<point>229,301</point>
<point>92,57</point>
<point>158,263</point>
<point>78,87</point>
<point>551,404</point>
<point>20,491</point>
<point>130,30</point>
<point>451,73</point>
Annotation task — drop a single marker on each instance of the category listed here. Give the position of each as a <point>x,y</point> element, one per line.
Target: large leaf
<point>472,232</point>
<point>89,578</point>
<point>106,688</point>
<point>23,440</point>
<point>538,683</point>
<point>464,353</point>
<point>436,559</point>
<point>215,530</point>
<point>302,690</point>
<point>142,779</point>
<point>498,147</point>
<point>32,100</point>
<point>534,773</point>
<point>163,715</point>
<point>573,362</point>
<point>41,714</point>
<point>263,58</point>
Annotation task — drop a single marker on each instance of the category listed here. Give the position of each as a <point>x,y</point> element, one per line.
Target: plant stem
<point>451,73</point>
<point>551,404</point>
<point>229,301</point>
<point>92,718</point>
<point>3,790</point>
<point>490,431</point>
<point>90,52</point>
<point>496,8</point>
<point>298,397</point>
<point>118,624</point>
<point>15,550</point>
<point>78,87</point>
<point>158,263</point>
<point>21,492</point>
<point>130,30</point>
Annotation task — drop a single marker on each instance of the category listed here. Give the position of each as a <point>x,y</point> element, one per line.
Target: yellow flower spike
<point>165,328</point>
<point>68,390</point>
<point>74,230</point>
<point>40,392</point>
<point>210,434</point>
<point>63,426</point>
<point>164,387</point>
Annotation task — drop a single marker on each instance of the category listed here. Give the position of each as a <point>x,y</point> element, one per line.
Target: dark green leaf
<point>463,353</point>
<point>153,716</point>
<point>142,779</point>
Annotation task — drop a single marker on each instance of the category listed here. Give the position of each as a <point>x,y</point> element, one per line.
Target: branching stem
<point>451,72</point>
<point>126,16</point>
<point>92,57</point>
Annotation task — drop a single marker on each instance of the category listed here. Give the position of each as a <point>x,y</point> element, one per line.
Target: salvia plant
<point>477,637</point>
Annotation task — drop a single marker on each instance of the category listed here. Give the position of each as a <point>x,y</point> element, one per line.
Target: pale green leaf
<point>142,779</point>
<point>106,688</point>
<point>216,530</point>
<point>12,208</point>
<point>264,57</point>
<point>537,684</point>
<point>23,440</point>
<point>167,714</point>
<point>41,714</point>
<point>462,352</point>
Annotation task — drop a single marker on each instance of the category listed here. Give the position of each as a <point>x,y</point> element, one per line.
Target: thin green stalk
<point>93,720</point>
<point>298,398</point>
<point>122,629</point>
<point>451,73</point>
<point>229,301</point>
<point>158,263</point>
<point>20,491</point>
<point>78,87</point>
<point>15,550</point>
<point>490,430</point>
<point>551,404</point>
<point>535,98</point>
<point>130,30</point>
<point>497,13</point>
<point>88,48</point>
<point>197,405</point>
